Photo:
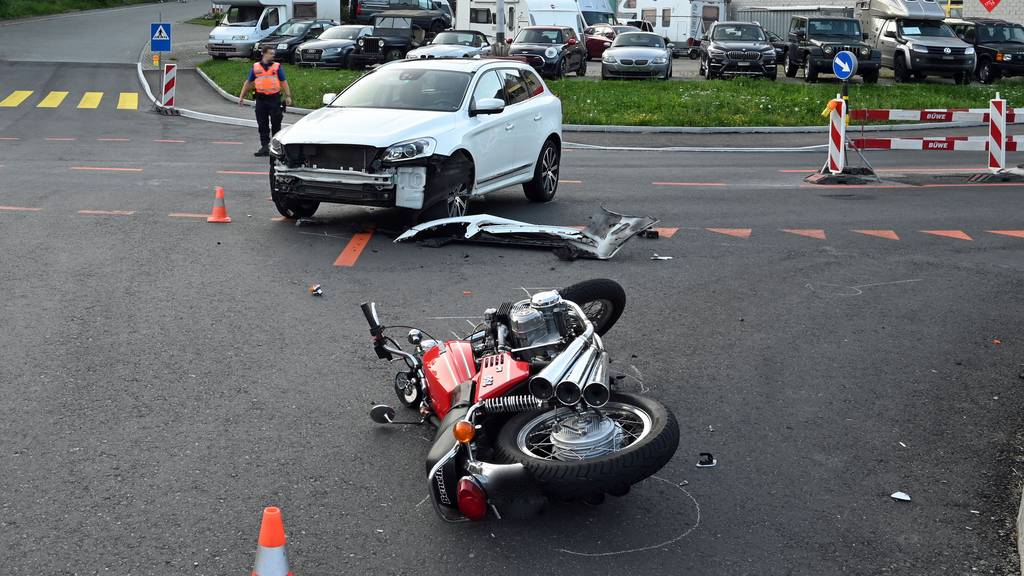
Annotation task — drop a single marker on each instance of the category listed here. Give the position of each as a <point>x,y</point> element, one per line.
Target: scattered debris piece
<point>975,511</point>
<point>602,239</point>
<point>707,460</point>
<point>902,444</point>
<point>649,233</point>
<point>901,496</point>
<point>997,341</point>
<point>467,292</point>
<point>316,290</point>
<point>306,222</point>
<point>656,257</point>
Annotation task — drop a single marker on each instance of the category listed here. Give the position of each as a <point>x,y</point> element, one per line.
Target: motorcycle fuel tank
<point>498,375</point>
<point>445,367</point>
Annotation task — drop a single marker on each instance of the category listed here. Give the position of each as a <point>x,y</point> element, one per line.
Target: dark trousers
<point>268,118</point>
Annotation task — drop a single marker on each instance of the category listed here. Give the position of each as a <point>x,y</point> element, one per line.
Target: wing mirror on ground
<point>487,106</point>
<point>328,98</point>
<point>382,414</point>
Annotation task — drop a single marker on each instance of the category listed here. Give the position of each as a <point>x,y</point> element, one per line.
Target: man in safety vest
<point>267,77</point>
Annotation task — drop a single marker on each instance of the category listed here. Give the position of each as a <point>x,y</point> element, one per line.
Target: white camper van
<point>480,15</point>
<point>598,11</point>
<point>246,22</point>
<point>681,22</point>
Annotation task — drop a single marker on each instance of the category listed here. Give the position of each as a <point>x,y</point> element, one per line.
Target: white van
<point>246,22</point>
<point>598,11</point>
<point>681,22</point>
<point>480,15</point>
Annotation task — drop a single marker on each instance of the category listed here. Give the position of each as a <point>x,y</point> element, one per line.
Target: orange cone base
<point>219,219</point>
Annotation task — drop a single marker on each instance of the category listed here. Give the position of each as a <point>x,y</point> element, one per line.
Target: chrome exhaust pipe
<point>596,392</point>
<point>570,389</point>
<point>543,384</point>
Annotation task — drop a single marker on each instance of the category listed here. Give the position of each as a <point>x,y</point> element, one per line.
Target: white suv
<point>424,135</point>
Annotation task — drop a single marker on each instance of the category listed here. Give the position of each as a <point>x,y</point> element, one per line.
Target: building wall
<point>778,3</point>
<point>1012,10</point>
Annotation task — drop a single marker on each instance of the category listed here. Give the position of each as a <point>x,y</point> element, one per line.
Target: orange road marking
<point>187,215</point>
<point>161,141</point>
<point>107,212</point>
<point>737,232</point>
<point>225,142</point>
<point>350,254</point>
<point>667,232</point>
<point>810,233</point>
<point>105,169</point>
<point>61,139</point>
<point>9,138</point>
<point>19,209</point>
<point>957,234</point>
<point>571,181</point>
<point>113,139</point>
<point>887,234</point>
<point>1014,233</point>
<point>688,184</point>
<point>243,172</point>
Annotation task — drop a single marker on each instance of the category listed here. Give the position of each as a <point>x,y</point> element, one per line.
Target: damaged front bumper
<point>602,239</point>
<point>401,187</point>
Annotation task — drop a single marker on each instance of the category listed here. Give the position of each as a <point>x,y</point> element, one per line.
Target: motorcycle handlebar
<point>370,312</point>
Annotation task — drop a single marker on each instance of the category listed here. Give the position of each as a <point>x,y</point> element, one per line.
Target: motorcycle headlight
<point>410,150</point>
<point>609,59</point>
<point>919,49</point>
<point>660,60</point>
<point>551,52</point>
<point>970,50</point>
<point>865,52</point>
<point>829,50</point>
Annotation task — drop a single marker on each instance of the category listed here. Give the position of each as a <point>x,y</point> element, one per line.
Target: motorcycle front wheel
<point>602,301</point>
<point>603,451</point>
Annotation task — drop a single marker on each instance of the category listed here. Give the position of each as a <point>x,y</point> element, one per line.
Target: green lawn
<point>24,8</point>
<point>738,102</point>
<point>204,21</point>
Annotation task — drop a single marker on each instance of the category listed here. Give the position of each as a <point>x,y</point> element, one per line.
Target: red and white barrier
<point>997,133</point>
<point>170,73</point>
<point>954,144</point>
<point>837,136</point>
<point>937,115</point>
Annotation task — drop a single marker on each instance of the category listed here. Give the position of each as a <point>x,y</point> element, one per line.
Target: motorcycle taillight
<point>471,499</point>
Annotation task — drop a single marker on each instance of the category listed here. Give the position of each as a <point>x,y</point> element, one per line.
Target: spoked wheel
<point>407,390</point>
<point>581,455</point>
<point>601,299</point>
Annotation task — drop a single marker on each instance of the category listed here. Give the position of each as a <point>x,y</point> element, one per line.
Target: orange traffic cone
<point>220,212</point>
<point>270,557</point>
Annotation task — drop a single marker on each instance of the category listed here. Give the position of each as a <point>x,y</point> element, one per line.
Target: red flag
<point>990,5</point>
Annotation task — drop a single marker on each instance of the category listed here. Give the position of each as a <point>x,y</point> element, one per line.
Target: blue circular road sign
<point>844,65</point>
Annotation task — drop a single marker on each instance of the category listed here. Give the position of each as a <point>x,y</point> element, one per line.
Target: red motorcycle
<point>524,408</point>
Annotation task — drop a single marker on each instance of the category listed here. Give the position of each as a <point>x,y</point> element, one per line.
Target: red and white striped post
<point>170,72</point>
<point>837,136</point>
<point>996,134</point>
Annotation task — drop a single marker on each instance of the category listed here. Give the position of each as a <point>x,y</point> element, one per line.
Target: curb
<point>227,95</point>
<point>1020,533</point>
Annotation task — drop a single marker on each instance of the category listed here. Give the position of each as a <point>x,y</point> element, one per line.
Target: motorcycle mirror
<point>382,414</point>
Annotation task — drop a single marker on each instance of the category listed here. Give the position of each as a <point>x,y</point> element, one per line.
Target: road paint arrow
<point>956,234</point>
<point>737,232</point>
<point>810,233</point>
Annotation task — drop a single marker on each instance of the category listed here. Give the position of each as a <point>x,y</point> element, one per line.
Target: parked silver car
<point>454,44</point>
<point>637,55</point>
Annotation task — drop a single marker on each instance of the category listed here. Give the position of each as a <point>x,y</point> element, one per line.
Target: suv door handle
<point>509,126</point>
<point>538,117</point>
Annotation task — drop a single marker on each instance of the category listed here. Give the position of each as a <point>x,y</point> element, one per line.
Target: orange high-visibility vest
<point>266,79</point>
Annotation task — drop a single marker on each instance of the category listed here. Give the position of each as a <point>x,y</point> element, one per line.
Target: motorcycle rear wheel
<point>652,435</point>
<point>601,299</point>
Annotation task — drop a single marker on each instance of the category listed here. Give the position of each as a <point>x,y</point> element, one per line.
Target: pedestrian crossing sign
<point>160,37</point>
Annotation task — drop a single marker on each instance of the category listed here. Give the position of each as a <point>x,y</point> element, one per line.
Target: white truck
<point>681,22</point>
<point>481,15</point>
<point>246,22</point>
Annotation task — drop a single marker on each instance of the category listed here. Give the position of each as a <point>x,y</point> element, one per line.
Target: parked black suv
<point>814,43</point>
<point>285,39</point>
<point>999,46</point>
<point>432,16</point>
<point>394,34</point>
<point>554,51</point>
<point>737,49</point>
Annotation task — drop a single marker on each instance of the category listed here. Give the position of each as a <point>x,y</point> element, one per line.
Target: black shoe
<point>262,152</point>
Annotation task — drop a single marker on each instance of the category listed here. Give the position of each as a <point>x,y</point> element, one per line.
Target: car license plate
<point>744,63</point>
<point>947,57</point>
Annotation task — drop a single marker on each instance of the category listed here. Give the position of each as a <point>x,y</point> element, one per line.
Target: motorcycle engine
<point>538,321</point>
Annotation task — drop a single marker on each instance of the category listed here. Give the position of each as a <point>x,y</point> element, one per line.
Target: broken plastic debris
<point>901,496</point>
<point>656,257</point>
<point>707,460</point>
<point>649,233</point>
<point>316,290</point>
<point>306,222</point>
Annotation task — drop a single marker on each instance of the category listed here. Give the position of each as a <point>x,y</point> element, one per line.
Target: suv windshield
<point>407,89</point>
<point>292,29</point>
<point>925,28</point>
<point>392,23</point>
<point>460,38</point>
<point>639,39</point>
<point>737,33</point>
<point>1001,33</point>
<point>341,33</point>
<point>537,36</point>
<point>242,16</point>
<point>833,27</point>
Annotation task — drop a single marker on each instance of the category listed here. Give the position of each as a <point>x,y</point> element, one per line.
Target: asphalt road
<point>165,378</point>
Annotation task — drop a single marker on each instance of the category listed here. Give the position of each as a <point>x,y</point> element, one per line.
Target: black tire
<point>290,208</point>
<point>582,70</point>
<point>811,72</point>
<point>791,67</point>
<point>870,77</point>
<point>563,68</point>
<point>899,69</point>
<point>987,73</point>
<point>772,74</point>
<point>448,191</point>
<point>603,291</point>
<point>920,76</point>
<point>410,395</point>
<point>545,174</point>
<point>610,474</point>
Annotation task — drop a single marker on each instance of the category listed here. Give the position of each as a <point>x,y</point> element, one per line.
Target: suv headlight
<point>919,48</point>
<point>716,53</point>
<point>551,52</point>
<point>361,42</point>
<point>865,52</point>
<point>828,50</point>
<point>410,150</point>
<point>970,50</point>
<point>276,148</point>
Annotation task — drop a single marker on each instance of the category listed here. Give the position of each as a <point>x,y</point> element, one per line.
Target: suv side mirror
<point>890,34</point>
<point>508,40</point>
<point>865,36</point>
<point>487,106</point>
<point>571,42</point>
<point>801,36</point>
<point>328,98</point>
